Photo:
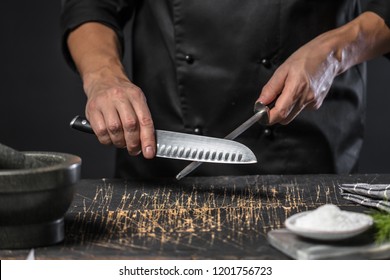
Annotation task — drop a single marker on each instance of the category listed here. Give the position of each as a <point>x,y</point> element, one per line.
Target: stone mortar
<point>33,201</point>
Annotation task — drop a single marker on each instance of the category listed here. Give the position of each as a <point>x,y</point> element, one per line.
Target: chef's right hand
<point>118,113</point>
<point>116,108</point>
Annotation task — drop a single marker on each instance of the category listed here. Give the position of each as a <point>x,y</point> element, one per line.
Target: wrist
<point>103,73</point>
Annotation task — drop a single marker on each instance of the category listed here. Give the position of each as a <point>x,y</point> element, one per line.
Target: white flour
<point>329,217</point>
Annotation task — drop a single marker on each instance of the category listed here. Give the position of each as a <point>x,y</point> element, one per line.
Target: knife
<point>261,116</point>
<point>183,146</point>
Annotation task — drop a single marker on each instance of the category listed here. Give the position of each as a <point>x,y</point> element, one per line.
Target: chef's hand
<point>305,78</point>
<point>116,108</point>
<point>119,114</point>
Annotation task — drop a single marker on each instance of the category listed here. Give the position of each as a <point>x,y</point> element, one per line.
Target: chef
<point>198,66</point>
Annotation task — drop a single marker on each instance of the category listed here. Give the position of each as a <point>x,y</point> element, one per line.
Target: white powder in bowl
<point>329,217</point>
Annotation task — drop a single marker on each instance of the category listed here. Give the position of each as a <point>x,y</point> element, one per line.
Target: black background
<point>40,94</point>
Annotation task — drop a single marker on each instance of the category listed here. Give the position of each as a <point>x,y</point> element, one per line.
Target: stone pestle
<point>12,159</point>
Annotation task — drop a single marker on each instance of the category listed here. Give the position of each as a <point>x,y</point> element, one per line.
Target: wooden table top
<point>195,218</point>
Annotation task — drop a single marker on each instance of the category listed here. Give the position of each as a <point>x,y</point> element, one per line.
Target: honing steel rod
<point>261,115</point>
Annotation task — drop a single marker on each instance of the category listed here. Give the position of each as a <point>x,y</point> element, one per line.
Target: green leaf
<point>382,226</point>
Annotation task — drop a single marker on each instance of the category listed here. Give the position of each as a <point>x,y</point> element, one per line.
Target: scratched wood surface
<point>196,218</point>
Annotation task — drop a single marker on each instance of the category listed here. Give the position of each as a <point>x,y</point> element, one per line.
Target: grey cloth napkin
<point>372,195</point>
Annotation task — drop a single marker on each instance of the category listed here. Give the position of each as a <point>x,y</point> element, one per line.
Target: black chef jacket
<point>202,64</point>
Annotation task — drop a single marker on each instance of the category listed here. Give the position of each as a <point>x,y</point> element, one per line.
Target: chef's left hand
<point>302,81</point>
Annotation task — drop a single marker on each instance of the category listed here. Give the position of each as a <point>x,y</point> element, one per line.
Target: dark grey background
<point>40,94</point>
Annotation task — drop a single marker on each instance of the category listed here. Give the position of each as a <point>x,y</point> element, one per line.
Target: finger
<point>130,126</point>
<point>273,87</point>
<point>292,100</point>
<point>146,126</point>
<point>280,112</point>
<point>285,103</point>
<point>98,125</point>
<point>293,114</point>
<point>147,135</point>
<point>114,126</point>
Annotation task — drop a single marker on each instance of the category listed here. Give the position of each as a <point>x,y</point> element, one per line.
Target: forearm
<point>362,39</point>
<point>95,49</point>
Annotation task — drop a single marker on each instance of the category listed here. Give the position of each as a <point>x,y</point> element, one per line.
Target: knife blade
<point>183,146</point>
<point>261,116</point>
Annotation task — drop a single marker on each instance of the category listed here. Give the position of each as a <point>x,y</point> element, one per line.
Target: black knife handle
<point>82,124</point>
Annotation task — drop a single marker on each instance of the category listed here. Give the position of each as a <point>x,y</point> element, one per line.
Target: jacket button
<point>267,132</point>
<point>197,130</point>
<point>266,63</point>
<point>189,59</point>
